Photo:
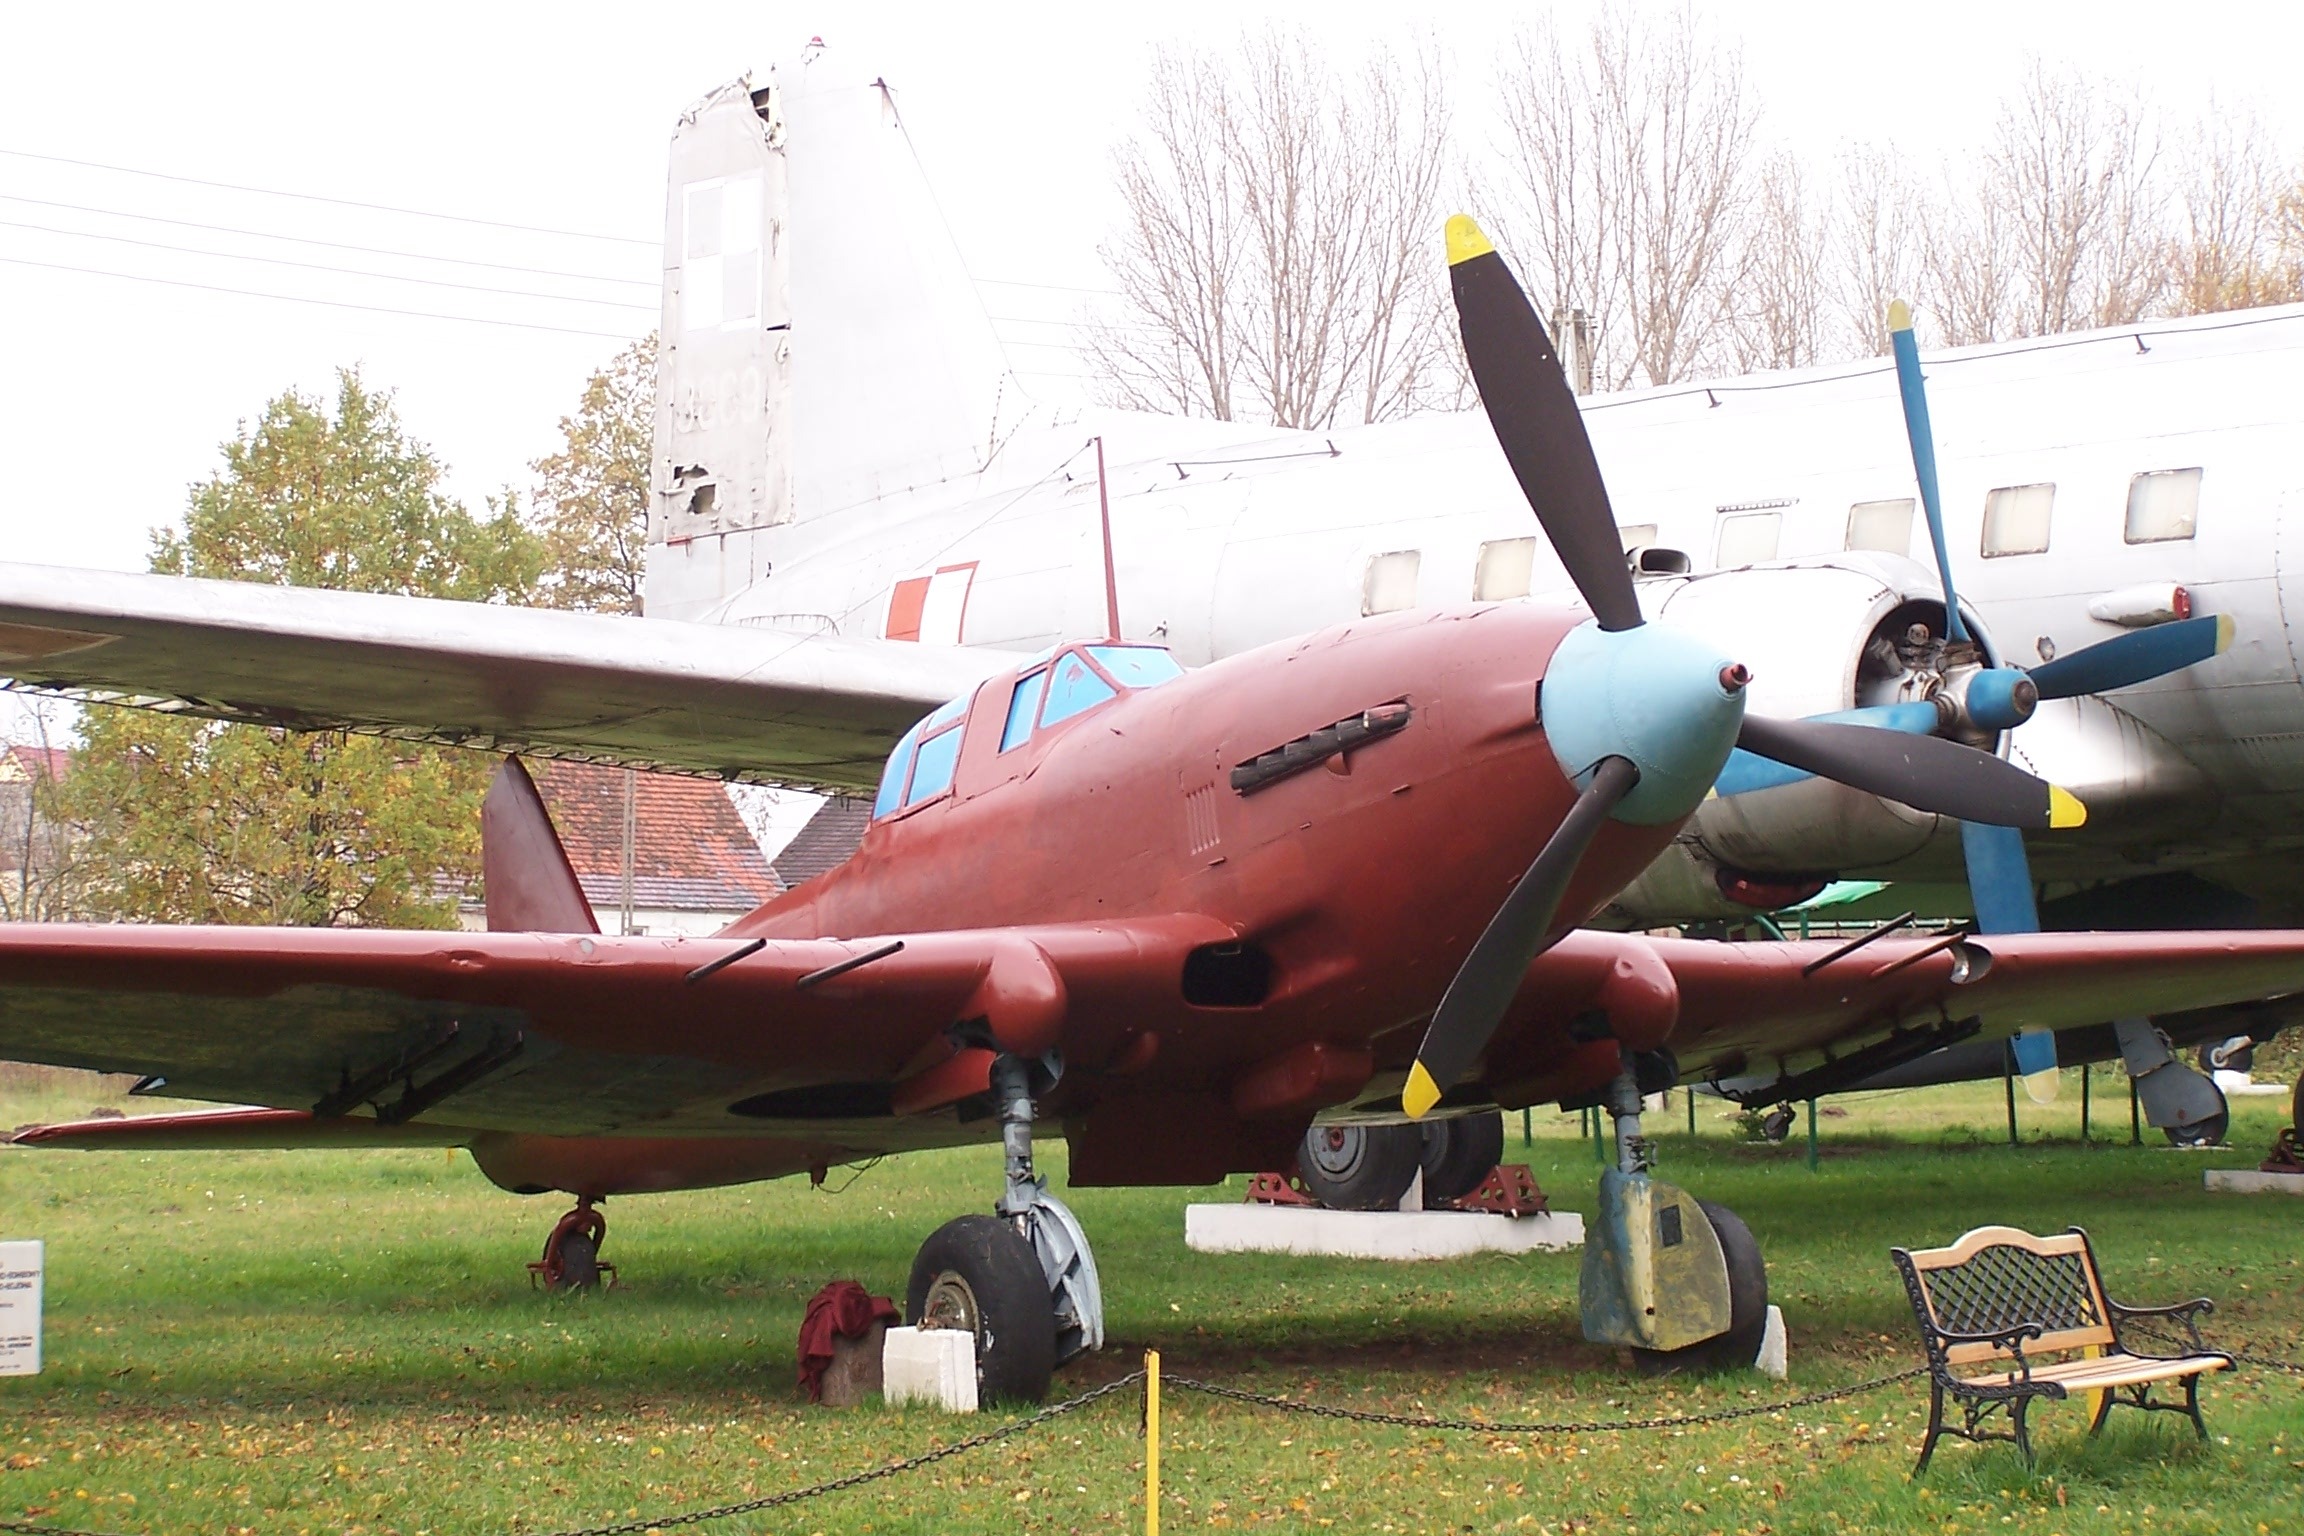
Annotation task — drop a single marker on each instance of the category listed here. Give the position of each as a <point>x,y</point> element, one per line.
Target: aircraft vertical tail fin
<point>531,886</point>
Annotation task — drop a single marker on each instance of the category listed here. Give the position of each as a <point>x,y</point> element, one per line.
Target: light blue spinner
<point>1659,697</point>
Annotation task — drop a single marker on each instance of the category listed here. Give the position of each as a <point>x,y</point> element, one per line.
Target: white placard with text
<point>20,1265</point>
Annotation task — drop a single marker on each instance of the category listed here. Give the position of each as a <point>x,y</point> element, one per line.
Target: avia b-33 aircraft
<point>1181,914</point>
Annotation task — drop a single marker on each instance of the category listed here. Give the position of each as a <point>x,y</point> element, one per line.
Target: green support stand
<point>1527,1128</point>
<point>1815,1164</point>
<point>2087,1075</point>
<point>2008,1084</point>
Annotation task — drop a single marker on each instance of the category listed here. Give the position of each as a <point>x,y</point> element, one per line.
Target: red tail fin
<point>531,888</point>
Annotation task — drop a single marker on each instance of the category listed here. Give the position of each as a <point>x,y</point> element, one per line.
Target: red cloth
<point>842,1310</point>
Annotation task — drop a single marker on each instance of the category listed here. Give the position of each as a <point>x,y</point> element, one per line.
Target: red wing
<point>564,1034</point>
<point>1743,1007</point>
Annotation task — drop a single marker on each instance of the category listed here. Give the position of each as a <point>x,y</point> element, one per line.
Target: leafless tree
<point>1274,259</point>
<point>1778,289</point>
<point>2238,242</point>
<point>1878,248</point>
<point>1629,156</point>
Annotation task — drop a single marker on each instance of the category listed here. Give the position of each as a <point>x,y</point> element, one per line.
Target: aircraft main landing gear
<point>1677,1280</point>
<point>571,1259</point>
<point>1022,1280</point>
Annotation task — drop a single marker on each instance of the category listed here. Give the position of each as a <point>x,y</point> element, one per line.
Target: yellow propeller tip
<point>2065,809</point>
<point>1465,240</point>
<point>1421,1093</point>
<point>2223,633</point>
<point>1899,315</point>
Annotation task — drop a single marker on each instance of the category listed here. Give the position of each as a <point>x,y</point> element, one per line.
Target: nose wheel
<point>571,1259</point>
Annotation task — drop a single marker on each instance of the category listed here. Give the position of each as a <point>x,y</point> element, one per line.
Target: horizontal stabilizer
<point>531,888</point>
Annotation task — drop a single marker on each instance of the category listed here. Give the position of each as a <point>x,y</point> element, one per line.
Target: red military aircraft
<point>1178,914</point>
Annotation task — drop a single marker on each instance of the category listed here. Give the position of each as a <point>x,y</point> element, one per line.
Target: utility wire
<point>319,266</point>
<point>334,245</point>
<point>315,197</point>
<point>291,298</point>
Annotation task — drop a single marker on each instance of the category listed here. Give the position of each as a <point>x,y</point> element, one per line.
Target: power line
<point>317,266</point>
<point>292,298</point>
<point>334,245</point>
<point>315,197</point>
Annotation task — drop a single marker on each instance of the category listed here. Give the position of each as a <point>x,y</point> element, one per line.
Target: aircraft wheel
<point>1360,1167</point>
<point>1458,1154</point>
<point>979,1273</point>
<point>2202,1133</point>
<point>1736,1349</point>
<point>2237,1054</point>
<point>571,1260</point>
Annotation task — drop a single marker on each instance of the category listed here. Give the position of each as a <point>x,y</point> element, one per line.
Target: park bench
<point>2036,1307</point>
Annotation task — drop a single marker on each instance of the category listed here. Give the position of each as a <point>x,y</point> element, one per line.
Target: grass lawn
<point>347,1342</point>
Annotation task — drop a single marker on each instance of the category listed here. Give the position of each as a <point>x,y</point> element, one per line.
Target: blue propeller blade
<point>2135,657</point>
<point>1999,879</point>
<point>1748,771</point>
<point>1923,440</point>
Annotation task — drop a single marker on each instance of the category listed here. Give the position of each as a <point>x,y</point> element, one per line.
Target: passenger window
<point>2163,504</point>
<point>1506,566</point>
<point>1137,666</point>
<point>1746,538</point>
<point>2016,519</point>
<point>1022,706</point>
<point>932,773</point>
<point>892,782</point>
<point>1391,582</point>
<point>1881,525</point>
<point>1073,686</point>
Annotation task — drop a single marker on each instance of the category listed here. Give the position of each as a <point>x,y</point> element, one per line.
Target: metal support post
<point>2135,1117</point>
<point>1690,1091</point>
<point>1815,1165</point>
<point>2087,1075</point>
<point>2008,1085</point>
<point>1527,1127</point>
<point>1012,1095</point>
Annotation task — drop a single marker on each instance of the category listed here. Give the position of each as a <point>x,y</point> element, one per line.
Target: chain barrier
<point>1014,1427</point>
<point>1506,1427</point>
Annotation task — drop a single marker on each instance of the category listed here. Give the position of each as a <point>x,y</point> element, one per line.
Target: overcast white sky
<point>114,393</point>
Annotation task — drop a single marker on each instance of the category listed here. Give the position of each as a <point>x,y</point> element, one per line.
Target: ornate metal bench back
<point>1997,1278</point>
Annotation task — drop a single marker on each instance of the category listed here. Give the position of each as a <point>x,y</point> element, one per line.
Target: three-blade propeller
<point>1642,723</point>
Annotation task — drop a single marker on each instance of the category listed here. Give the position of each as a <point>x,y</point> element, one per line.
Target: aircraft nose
<point>1661,699</point>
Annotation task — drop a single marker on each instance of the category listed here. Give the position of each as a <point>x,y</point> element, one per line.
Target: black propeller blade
<point>1492,973</point>
<point>1536,420</point>
<point>1927,773</point>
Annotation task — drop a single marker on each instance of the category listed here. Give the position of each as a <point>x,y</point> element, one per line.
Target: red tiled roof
<point>51,762</point>
<point>831,835</point>
<point>691,851</point>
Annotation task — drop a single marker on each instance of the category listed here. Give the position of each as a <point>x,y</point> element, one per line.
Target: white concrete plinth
<point>2251,1181</point>
<point>2239,1085</point>
<point>1374,1234</point>
<point>936,1366</point>
<point>1774,1360</point>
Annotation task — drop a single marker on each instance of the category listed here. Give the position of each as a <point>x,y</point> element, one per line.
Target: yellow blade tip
<point>1421,1093</point>
<point>2065,809</point>
<point>2223,633</point>
<point>1465,240</point>
<point>1899,315</point>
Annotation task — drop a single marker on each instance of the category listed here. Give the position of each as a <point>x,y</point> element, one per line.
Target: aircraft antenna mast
<point>1111,574</point>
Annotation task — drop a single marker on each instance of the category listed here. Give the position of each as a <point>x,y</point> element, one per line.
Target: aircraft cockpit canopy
<point>1060,685</point>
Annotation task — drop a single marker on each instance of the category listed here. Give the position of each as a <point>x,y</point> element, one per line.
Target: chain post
<point>1151,1442</point>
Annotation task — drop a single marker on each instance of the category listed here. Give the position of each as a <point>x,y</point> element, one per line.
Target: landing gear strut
<point>571,1259</point>
<point>1022,1280</point>
<point>1678,1280</point>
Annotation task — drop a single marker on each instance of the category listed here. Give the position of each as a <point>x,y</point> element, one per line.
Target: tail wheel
<point>1736,1349</point>
<point>1360,1167</point>
<point>980,1273</point>
<point>571,1259</point>
<point>2202,1133</point>
<point>1458,1153</point>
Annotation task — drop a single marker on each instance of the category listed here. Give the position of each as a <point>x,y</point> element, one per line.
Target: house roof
<point>691,851</point>
<point>20,763</point>
<point>832,834</point>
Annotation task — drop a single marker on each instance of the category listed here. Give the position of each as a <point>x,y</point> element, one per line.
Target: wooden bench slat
<point>2107,1371</point>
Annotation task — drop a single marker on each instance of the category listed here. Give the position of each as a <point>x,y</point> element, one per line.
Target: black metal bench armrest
<point>2187,1313</point>
<point>2009,1339</point>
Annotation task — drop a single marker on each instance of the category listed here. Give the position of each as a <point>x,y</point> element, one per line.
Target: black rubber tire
<point>579,1263</point>
<point>1458,1153</point>
<point>1015,1317</point>
<point>2240,1060</point>
<point>1736,1349</point>
<point>1360,1167</point>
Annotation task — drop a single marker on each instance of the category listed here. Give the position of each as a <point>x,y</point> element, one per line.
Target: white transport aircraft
<point>860,511</point>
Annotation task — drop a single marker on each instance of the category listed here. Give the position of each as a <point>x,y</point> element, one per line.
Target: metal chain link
<point>1504,1427</point>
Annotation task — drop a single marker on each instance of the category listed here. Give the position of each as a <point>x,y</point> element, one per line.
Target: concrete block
<point>1774,1360</point>
<point>2251,1181</point>
<point>936,1366</point>
<point>856,1370</point>
<point>1248,1228</point>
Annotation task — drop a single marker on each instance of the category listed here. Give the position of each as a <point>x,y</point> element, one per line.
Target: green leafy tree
<point>194,821</point>
<point>591,502</point>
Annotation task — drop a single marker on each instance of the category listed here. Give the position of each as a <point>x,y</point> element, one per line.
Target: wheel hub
<point>950,1304</point>
<point>1338,1150</point>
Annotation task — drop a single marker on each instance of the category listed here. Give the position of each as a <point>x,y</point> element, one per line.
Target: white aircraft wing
<point>817,711</point>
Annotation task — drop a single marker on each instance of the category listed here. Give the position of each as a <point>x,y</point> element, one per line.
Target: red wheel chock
<point>1278,1189</point>
<point>1509,1190</point>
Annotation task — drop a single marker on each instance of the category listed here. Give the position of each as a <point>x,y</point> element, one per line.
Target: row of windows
<point>2163,504</point>
<point>921,767</point>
